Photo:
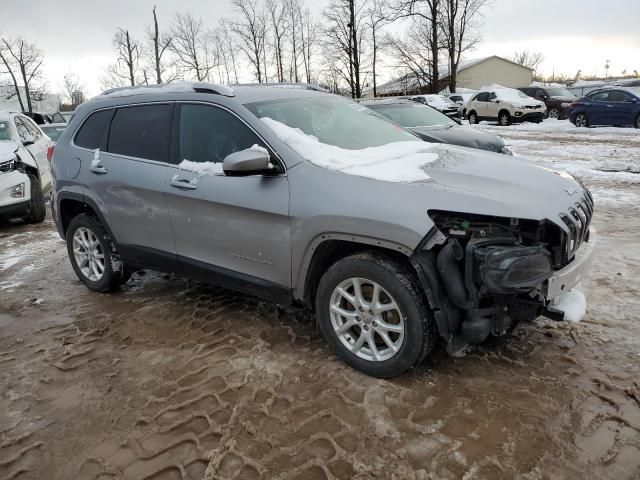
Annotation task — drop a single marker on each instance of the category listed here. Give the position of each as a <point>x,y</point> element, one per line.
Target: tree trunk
<point>375,54</point>
<point>27,91</point>
<point>354,49</point>
<point>435,48</point>
<point>14,81</point>
<point>156,47</point>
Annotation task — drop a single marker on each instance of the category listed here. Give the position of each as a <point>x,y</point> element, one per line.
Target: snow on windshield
<point>402,162</point>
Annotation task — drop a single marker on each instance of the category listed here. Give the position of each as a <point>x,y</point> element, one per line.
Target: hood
<point>461,136</point>
<point>512,182</point>
<point>8,148</point>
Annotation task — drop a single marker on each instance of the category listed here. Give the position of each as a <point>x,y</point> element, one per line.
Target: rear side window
<point>91,131</point>
<point>619,96</point>
<point>600,97</point>
<point>141,132</point>
<point>482,97</point>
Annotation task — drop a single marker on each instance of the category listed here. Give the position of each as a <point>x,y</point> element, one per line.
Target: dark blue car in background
<point>616,106</point>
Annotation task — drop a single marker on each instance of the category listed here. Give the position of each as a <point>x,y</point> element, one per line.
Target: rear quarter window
<point>91,131</point>
<point>141,132</point>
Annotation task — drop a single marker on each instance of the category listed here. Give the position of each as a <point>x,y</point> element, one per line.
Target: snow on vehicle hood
<point>402,162</point>
<point>8,148</point>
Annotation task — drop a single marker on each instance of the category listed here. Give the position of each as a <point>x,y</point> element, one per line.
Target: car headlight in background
<point>566,104</point>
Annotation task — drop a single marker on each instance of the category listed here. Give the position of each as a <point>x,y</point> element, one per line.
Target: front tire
<point>637,122</point>
<point>93,256</point>
<point>37,209</point>
<point>373,314</point>
<point>553,113</point>
<point>581,120</point>
<point>504,119</point>
<point>473,118</point>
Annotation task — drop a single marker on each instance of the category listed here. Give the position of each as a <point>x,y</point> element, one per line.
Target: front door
<point>230,230</point>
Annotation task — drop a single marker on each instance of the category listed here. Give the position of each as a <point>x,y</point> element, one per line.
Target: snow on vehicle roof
<point>401,162</point>
<point>506,93</point>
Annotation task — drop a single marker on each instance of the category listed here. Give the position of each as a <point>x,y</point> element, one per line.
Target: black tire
<point>420,333</point>
<point>581,120</point>
<point>637,122</point>
<point>37,208</point>
<point>554,112</point>
<point>473,117</point>
<point>114,270</point>
<point>504,118</point>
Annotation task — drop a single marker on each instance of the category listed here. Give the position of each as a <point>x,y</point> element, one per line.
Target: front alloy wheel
<point>372,311</point>
<point>366,319</point>
<point>582,120</point>
<point>504,120</point>
<point>554,113</point>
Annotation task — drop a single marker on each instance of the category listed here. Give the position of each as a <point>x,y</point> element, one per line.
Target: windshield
<point>559,92</point>
<point>410,116</point>
<point>5,131</point>
<point>333,121</point>
<point>54,133</point>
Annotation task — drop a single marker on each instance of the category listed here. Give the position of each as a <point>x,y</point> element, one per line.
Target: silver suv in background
<point>308,199</point>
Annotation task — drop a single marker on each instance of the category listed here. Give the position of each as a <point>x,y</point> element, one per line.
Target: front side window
<point>23,132</point>
<point>141,132</point>
<point>483,97</point>
<point>31,127</point>
<point>332,121</point>
<point>92,130</point>
<point>209,134</point>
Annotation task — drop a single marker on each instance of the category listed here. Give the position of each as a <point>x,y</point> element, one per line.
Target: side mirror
<point>251,161</point>
<point>28,140</point>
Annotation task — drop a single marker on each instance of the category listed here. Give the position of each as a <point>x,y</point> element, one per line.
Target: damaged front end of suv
<point>484,274</point>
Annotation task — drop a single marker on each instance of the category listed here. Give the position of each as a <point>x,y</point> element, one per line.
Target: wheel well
<point>504,111</point>
<point>32,171</point>
<point>331,251</point>
<point>70,208</point>
<point>471,111</point>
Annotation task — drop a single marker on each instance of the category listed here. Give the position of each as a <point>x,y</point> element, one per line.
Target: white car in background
<point>462,99</point>
<point>439,102</point>
<point>505,106</point>
<point>25,175</point>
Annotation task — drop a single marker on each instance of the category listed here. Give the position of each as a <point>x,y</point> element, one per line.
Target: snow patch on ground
<point>573,303</point>
<point>11,258</point>
<point>401,162</point>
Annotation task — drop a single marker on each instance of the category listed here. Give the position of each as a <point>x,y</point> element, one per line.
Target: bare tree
<point>126,70</point>
<point>250,30</point>
<point>278,19</point>
<point>429,13</point>
<point>22,61</point>
<point>293,12</point>
<point>227,50</point>
<point>191,43</point>
<point>378,16</point>
<point>343,41</point>
<point>413,53</point>
<point>72,89</point>
<point>160,44</point>
<point>528,59</point>
<point>459,32</point>
<point>308,40</point>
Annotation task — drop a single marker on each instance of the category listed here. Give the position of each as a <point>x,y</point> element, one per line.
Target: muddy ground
<point>174,380</point>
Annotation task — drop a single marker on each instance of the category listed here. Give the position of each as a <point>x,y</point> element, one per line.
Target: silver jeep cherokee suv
<point>308,199</point>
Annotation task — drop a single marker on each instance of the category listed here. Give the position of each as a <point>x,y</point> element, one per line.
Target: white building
<point>472,75</point>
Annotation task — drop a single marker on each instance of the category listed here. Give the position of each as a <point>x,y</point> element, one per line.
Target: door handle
<point>183,183</point>
<point>97,168</point>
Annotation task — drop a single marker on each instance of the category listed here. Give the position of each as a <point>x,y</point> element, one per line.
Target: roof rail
<point>201,87</point>
<point>299,85</point>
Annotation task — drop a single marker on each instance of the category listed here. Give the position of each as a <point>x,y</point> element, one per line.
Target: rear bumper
<point>567,278</point>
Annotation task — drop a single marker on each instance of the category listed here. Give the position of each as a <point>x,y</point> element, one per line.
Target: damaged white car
<point>25,175</point>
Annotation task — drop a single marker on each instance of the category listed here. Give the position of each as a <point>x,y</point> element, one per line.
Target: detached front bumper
<point>564,280</point>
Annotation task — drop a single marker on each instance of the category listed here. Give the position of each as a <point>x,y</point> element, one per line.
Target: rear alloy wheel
<point>504,119</point>
<point>581,120</point>
<point>553,113</point>
<point>473,118</point>
<point>92,254</point>
<point>371,311</point>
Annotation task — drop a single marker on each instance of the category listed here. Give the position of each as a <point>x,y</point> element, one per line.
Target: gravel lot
<point>168,379</point>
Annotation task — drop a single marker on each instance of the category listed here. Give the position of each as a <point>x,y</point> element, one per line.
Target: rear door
<point>231,230</point>
<point>125,178</point>
<point>623,107</point>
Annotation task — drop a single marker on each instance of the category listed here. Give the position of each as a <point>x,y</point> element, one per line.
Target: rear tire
<point>637,122</point>
<point>93,255</point>
<point>473,118</point>
<point>382,334</point>
<point>37,209</point>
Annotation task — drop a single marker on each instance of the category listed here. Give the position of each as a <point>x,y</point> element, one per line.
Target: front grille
<point>577,219</point>
<point>533,107</point>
